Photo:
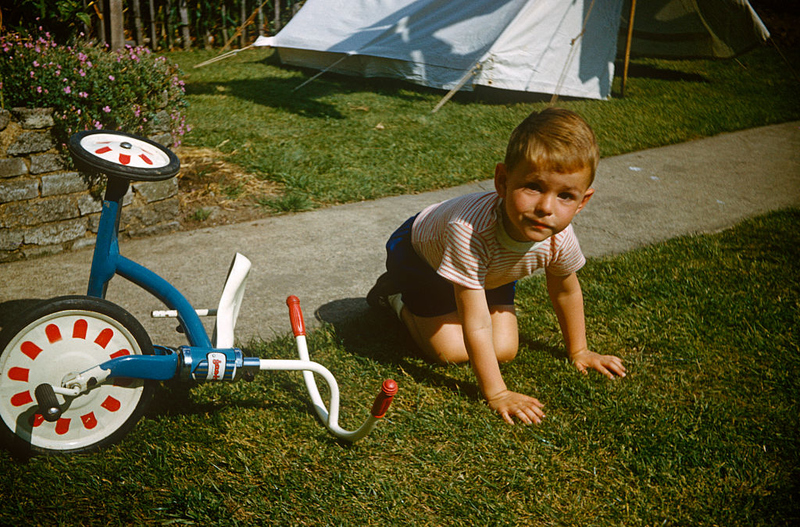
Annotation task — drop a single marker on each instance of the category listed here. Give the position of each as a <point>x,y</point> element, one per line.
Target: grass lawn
<point>342,139</point>
<point>705,430</point>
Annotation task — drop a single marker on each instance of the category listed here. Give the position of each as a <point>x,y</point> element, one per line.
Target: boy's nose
<point>544,207</point>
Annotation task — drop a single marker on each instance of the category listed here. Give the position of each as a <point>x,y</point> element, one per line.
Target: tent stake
<point>628,48</point>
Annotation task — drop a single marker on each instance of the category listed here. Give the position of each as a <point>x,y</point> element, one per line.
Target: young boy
<point>452,268</point>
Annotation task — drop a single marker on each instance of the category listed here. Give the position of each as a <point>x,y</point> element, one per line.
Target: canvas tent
<point>566,47</point>
<point>718,29</point>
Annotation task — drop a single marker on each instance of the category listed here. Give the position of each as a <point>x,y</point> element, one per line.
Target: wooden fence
<point>185,24</point>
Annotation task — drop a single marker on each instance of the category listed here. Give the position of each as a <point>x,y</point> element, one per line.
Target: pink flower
<point>39,89</point>
<point>111,77</point>
<point>67,90</point>
<point>106,109</point>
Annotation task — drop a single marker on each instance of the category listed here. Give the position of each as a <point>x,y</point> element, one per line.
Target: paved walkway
<point>330,258</point>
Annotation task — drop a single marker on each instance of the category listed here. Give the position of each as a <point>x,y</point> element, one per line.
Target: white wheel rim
<point>36,355</point>
<point>124,151</point>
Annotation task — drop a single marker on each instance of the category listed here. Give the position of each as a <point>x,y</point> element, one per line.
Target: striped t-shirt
<point>464,240</point>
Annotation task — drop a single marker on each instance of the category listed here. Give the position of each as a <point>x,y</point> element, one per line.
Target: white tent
<point>565,47</point>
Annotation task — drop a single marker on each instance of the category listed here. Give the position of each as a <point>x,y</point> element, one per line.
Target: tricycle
<point>77,372</point>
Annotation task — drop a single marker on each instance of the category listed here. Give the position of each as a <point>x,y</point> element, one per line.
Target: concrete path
<point>330,258</point>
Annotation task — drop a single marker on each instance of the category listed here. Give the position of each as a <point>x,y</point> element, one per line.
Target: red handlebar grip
<point>296,316</point>
<point>384,398</point>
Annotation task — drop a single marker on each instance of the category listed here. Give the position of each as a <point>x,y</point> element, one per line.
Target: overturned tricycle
<point>76,372</point>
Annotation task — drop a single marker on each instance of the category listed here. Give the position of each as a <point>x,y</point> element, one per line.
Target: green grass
<point>705,430</point>
<point>341,139</point>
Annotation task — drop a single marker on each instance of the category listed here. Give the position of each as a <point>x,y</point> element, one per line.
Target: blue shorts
<point>425,293</point>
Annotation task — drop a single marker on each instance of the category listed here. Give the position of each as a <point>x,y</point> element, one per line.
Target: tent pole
<point>628,48</point>
<point>323,71</point>
<point>471,73</point>
<point>220,57</point>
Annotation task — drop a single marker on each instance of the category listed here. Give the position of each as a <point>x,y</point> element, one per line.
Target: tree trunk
<point>183,12</point>
<point>242,19</point>
<point>101,22</point>
<point>224,24</point>
<point>277,15</point>
<point>116,24</point>
<point>168,23</point>
<point>137,22</point>
<point>153,34</point>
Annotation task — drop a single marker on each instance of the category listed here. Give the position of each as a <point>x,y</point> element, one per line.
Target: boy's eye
<point>566,196</point>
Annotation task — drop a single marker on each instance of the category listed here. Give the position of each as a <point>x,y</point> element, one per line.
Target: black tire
<point>90,162</point>
<point>56,337</point>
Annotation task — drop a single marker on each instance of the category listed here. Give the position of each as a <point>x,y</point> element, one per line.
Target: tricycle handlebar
<point>331,418</point>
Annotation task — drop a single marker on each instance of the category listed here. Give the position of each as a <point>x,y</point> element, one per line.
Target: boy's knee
<point>447,356</point>
<point>506,346</point>
<point>506,353</point>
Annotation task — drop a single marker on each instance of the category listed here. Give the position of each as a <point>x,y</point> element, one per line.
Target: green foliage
<point>211,23</point>
<point>88,87</point>
<point>63,18</point>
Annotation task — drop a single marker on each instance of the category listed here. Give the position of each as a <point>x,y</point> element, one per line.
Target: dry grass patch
<point>215,191</point>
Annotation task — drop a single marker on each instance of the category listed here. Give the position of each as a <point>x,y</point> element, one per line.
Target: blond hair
<point>554,139</point>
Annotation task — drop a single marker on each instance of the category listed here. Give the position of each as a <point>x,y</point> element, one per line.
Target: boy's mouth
<point>537,225</point>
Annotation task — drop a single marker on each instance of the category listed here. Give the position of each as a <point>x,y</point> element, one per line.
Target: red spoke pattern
<point>53,333</point>
<point>124,159</point>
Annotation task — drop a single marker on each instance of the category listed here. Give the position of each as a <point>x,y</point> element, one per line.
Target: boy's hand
<point>511,404</point>
<point>608,365</point>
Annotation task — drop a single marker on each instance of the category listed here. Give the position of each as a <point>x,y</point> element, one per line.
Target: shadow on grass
<point>274,93</point>
<point>292,95</point>
<point>174,398</point>
<point>556,352</point>
<point>288,95</point>
<point>653,72</point>
<point>379,336</point>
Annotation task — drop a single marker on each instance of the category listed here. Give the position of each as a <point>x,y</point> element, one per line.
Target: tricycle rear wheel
<point>58,337</point>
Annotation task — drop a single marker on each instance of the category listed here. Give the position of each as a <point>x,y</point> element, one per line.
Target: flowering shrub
<point>130,90</point>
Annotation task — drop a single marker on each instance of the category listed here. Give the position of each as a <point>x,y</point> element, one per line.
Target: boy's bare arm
<point>479,340</point>
<point>567,299</point>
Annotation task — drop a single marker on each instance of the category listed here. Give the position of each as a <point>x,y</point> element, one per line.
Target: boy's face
<point>539,204</point>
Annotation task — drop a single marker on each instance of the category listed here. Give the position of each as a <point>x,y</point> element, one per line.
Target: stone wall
<point>47,207</point>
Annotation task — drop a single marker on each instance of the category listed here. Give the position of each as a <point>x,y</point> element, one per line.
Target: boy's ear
<point>500,179</point>
<point>586,197</point>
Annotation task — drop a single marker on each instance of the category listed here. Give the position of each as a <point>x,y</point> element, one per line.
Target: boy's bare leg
<point>441,338</point>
